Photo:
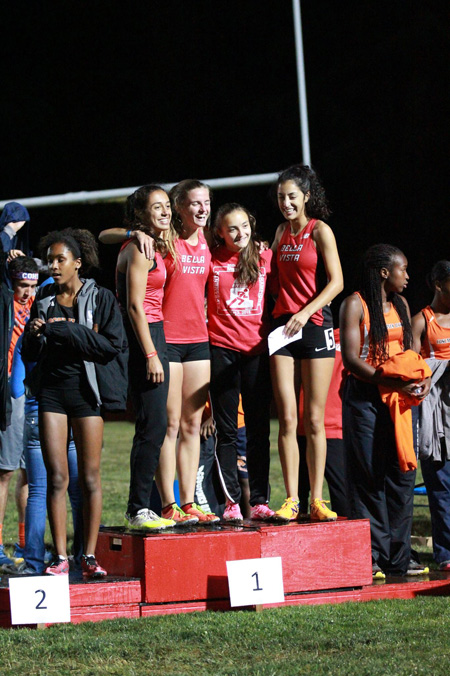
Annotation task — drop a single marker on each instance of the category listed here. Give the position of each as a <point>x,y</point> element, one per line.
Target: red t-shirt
<point>184,293</point>
<point>297,264</point>
<point>237,314</point>
<point>333,407</point>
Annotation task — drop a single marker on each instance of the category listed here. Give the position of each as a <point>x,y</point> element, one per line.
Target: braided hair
<point>377,257</point>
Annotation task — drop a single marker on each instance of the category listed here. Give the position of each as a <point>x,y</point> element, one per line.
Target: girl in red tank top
<point>302,244</point>
<point>140,286</point>
<point>187,338</point>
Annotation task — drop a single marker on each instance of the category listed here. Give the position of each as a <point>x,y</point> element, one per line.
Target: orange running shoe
<point>204,518</point>
<point>176,514</point>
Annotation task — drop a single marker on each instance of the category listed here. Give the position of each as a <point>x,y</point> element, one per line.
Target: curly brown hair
<point>308,182</point>
<point>81,243</point>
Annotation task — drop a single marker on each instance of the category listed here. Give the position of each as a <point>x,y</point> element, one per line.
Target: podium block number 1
<point>254,582</point>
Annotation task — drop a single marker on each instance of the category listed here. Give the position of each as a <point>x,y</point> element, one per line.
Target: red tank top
<point>437,338</point>
<point>184,294</point>
<point>395,333</point>
<point>154,289</point>
<point>237,314</point>
<point>297,262</point>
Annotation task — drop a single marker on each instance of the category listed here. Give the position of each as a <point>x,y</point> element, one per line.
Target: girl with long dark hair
<point>304,244</point>
<point>375,325</point>
<point>76,335</point>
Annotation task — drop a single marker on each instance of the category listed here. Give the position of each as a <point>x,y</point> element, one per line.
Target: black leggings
<point>150,406</point>
<point>233,373</point>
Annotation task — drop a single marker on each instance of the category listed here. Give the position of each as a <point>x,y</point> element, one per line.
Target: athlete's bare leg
<point>316,378</point>
<point>196,377</point>
<point>88,438</point>
<point>282,370</point>
<point>54,434</point>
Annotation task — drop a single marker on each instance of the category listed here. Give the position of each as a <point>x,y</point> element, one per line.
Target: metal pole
<point>303,106</point>
<point>120,194</point>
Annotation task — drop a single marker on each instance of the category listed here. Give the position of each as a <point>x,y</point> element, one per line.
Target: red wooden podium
<point>184,570</point>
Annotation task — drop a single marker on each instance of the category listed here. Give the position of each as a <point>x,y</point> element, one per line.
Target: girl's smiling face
<point>235,230</point>
<point>195,210</point>
<point>291,200</point>
<point>159,211</point>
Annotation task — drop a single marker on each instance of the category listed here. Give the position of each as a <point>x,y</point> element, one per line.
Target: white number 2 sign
<point>40,599</point>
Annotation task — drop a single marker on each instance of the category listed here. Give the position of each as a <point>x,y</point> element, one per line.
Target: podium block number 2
<point>40,599</point>
<point>255,581</point>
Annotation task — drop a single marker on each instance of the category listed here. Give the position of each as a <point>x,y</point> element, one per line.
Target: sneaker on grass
<point>145,518</point>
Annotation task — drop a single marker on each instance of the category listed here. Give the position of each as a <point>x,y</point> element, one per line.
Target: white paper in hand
<point>277,339</point>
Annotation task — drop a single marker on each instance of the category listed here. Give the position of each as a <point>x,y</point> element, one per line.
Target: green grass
<point>381,637</point>
<point>376,638</point>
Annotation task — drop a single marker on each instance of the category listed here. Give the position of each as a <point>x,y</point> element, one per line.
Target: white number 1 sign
<point>255,581</point>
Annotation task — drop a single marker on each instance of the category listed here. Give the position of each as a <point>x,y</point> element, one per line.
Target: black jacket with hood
<point>99,337</point>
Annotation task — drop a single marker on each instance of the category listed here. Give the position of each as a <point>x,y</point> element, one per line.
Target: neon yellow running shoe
<point>145,518</point>
<point>320,512</point>
<point>288,511</point>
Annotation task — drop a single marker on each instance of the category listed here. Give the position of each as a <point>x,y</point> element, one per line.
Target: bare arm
<point>326,243</point>
<point>418,331</point>
<point>137,271</point>
<point>350,318</point>
<point>119,235</point>
<point>277,238</point>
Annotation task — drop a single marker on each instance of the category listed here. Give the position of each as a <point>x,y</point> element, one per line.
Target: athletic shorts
<point>11,440</point>
<point>72,397</point>
<point>181,353</point>
<point>316,342</point>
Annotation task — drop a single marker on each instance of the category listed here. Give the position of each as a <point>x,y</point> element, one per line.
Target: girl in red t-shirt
<point>238,325</point>
<point>304,243</point>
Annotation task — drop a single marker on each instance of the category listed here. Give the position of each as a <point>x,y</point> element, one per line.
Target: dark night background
<point>112,94</point>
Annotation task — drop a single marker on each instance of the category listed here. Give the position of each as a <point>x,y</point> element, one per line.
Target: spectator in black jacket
<point>77,337</point>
